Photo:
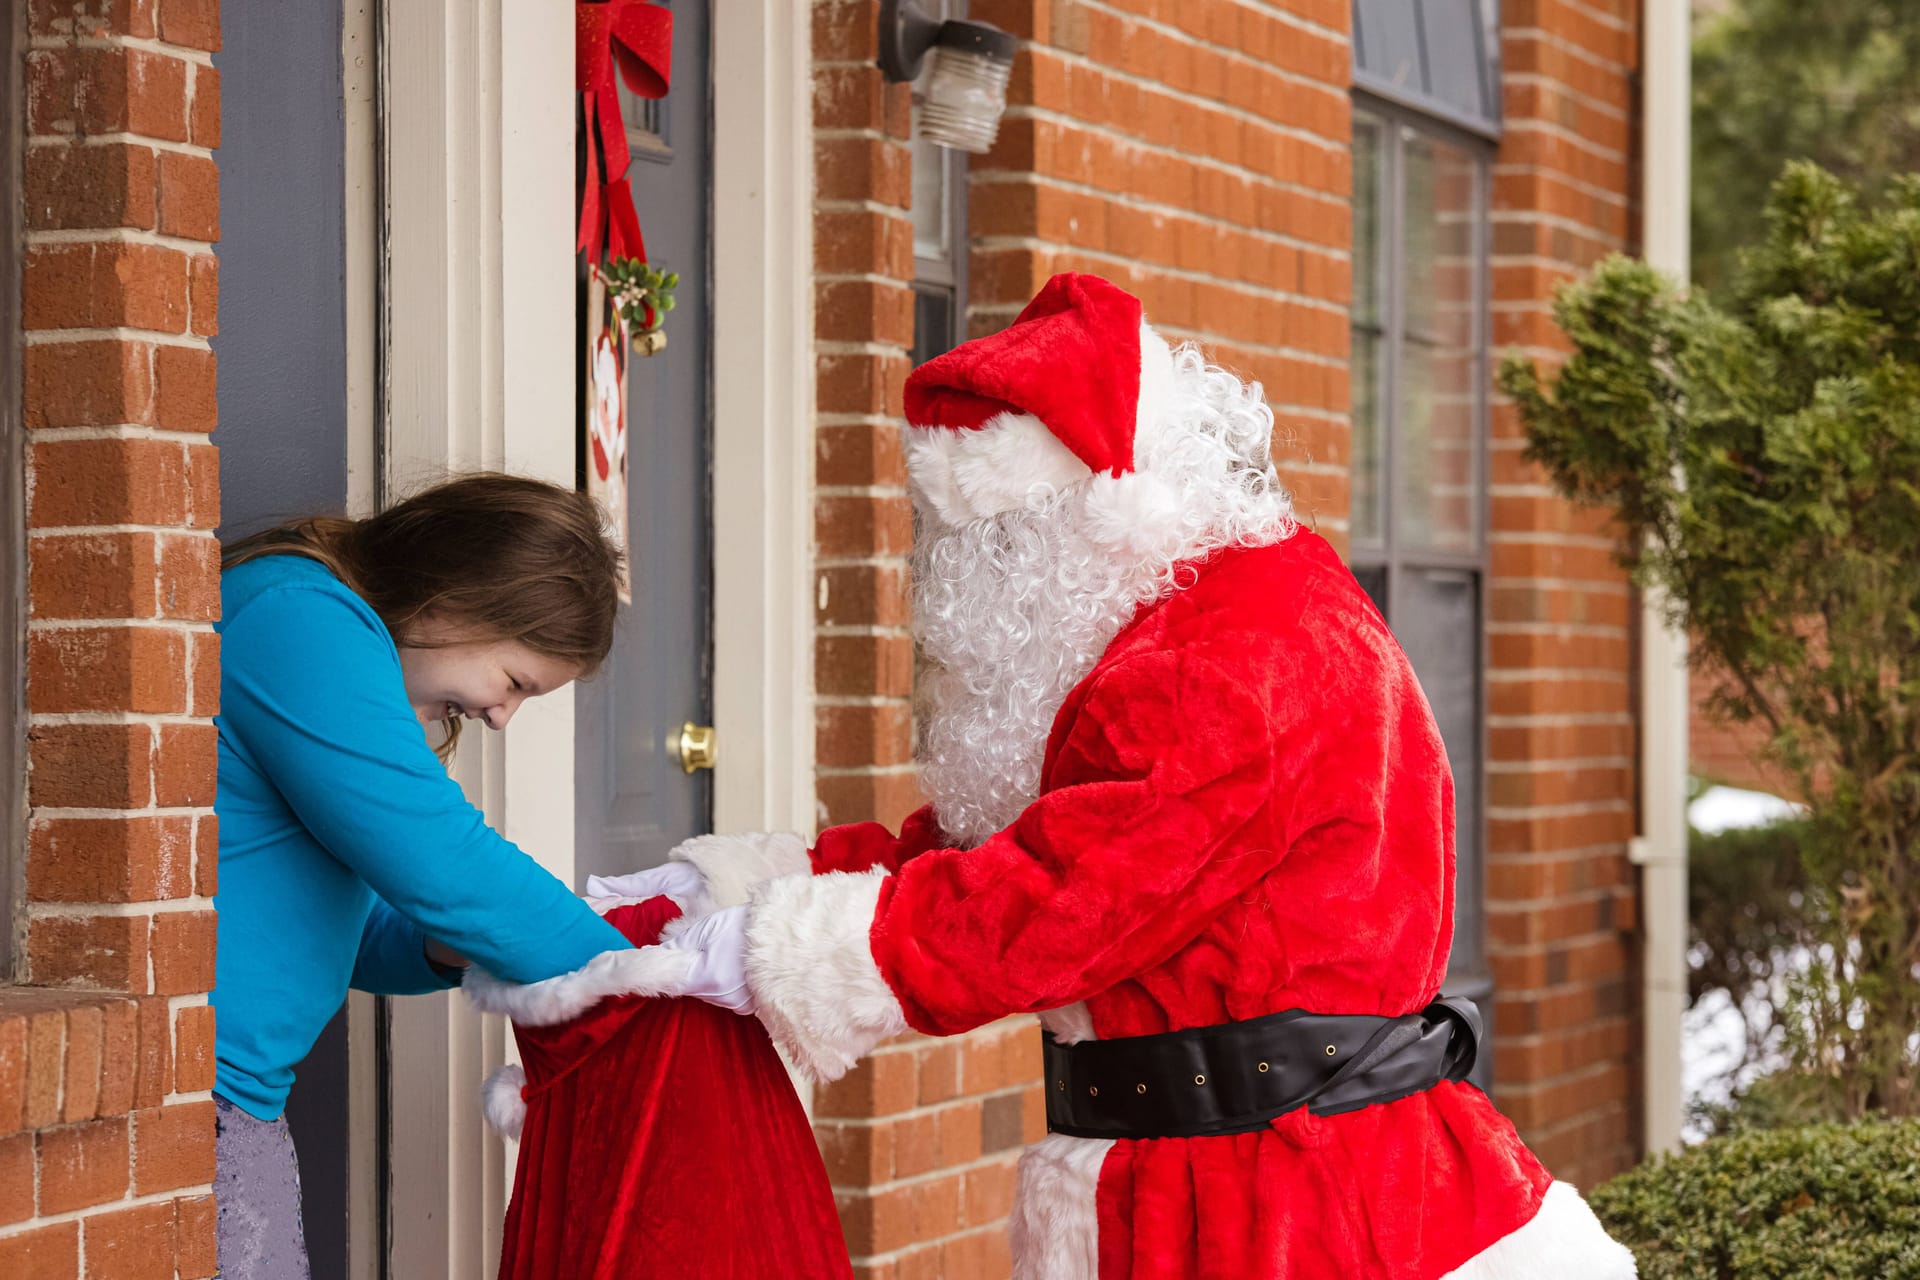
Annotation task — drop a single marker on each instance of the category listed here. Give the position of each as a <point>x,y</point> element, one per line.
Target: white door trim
<point>478,371</point>
<point>763,415</point>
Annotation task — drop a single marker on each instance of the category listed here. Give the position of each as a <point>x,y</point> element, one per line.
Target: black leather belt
<point>1236,1077</point>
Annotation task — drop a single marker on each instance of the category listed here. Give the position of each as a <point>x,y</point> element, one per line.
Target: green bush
<point>1832,1202</point>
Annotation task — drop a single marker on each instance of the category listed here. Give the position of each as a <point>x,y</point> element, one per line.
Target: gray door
<point>282,349</point>
<point>633,801</point>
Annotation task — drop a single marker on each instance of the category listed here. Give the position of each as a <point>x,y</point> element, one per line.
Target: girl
<point>348,856</point>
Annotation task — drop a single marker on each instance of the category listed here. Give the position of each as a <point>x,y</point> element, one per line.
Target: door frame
<point>464,351</point>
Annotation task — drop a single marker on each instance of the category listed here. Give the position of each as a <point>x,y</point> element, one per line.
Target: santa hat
<point>1069,390</point>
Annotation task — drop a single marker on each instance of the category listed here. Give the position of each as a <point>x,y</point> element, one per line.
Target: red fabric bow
<point>637,37</point>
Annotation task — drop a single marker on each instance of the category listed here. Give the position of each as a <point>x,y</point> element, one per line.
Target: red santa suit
<point>1243,808</point>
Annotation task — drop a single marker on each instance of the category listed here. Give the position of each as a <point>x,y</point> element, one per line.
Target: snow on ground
<point>1720,809</point>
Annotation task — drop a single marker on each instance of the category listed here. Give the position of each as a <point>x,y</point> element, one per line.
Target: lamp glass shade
<point>965,97</point>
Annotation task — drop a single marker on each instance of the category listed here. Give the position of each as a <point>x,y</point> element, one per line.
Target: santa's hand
<point>718,944</point>
<point>681,881</point>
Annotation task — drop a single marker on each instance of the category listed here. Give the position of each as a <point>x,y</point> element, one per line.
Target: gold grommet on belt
<point>1263,1068</point>
<point>1093,1091</point>
<point>1199,1079</point>
<point>1331,1051</point>
<point>1061,1085</point>
<point>1140,1088</point>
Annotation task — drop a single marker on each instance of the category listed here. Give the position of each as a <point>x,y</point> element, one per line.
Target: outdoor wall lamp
<point>967,91</point>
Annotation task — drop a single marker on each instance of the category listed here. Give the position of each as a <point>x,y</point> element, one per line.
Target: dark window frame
<point>1385,563</point>
<point>13,531</point>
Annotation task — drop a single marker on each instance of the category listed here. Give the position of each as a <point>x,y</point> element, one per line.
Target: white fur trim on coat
<point>1055,1228</point>
<point>1563,1241</point>
<point>810,967</point>
<point>640,971</point>
<point>733,865</point>
<point>501,1102</point>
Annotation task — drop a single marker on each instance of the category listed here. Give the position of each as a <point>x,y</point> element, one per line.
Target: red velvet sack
<point>663,1138</point>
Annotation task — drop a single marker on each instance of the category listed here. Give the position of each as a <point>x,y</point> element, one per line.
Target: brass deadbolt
<point>696,747</point>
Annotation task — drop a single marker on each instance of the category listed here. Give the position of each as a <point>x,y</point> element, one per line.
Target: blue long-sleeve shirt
<point>343,842</point>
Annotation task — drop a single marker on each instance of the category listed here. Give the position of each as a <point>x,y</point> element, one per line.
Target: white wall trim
<point>763,415</point>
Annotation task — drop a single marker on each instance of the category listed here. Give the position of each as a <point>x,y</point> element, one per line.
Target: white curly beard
<point>1013,610</point>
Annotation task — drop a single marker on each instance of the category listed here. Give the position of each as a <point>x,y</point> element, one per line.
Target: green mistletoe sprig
<point>643,294</point>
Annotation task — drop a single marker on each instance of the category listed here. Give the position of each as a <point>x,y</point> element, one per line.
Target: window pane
<point>1368,156</point>
<point>1365,507</point>
<point>1438,624</point>
<point>1455,68</point>
<point>1366,512</point>
<point>1438,396</point>
<point>933,322</point>
<point>932,229</point>
<point>645,118</point>
<point>1388,41</point>
<point>1373,580</point>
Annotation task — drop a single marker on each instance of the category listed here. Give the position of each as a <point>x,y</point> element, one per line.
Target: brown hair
<point>509,557</point>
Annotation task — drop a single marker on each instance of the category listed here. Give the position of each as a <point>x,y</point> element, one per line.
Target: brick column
<point>863,330</point>
<point>1560,892</point>
<point>106,1050</point>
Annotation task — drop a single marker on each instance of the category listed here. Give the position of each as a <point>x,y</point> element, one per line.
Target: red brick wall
<point>106,1049</point>
<point>1730,753</point>
<point>863,330</point>
<point>1561,894</point>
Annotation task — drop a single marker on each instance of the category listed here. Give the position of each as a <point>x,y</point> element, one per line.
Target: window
<point>1419,376</point>
<point>939,227</point>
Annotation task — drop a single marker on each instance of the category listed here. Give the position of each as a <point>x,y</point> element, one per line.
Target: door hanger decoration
<point>615,42</point>
<point>605,377</point>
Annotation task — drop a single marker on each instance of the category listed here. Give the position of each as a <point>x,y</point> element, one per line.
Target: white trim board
<point>763,416</point>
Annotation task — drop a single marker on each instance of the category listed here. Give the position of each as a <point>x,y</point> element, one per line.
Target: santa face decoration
<point>606,413</point>
<point>609,425</point>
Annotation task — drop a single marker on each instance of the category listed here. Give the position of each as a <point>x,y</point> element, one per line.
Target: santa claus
<point>1189,805</point>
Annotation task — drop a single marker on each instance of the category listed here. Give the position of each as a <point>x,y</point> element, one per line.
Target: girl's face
<point>448,674</point>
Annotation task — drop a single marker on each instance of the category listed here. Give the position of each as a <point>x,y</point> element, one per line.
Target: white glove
<point>681,881</point>
<point>718,944</point>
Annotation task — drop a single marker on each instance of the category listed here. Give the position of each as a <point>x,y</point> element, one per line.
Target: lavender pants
<point>257,1185</point>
